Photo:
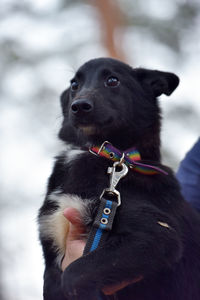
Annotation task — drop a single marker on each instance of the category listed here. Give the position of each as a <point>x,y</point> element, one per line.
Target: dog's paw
<point>77,287</point>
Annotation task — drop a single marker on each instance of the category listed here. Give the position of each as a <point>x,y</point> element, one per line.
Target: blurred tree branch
<point>111,20</point>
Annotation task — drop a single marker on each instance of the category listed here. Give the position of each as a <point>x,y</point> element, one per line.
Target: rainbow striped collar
<point>130,157</point>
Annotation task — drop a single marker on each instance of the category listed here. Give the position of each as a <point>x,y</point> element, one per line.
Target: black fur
<point>127,115</point>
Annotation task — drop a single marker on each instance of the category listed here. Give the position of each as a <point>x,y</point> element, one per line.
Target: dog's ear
<point>159,82</point>
<point>64,100</point>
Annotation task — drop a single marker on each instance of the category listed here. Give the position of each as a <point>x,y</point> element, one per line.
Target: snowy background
<point>42,42</point>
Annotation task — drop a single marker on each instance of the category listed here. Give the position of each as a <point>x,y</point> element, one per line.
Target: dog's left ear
<point>159,82</point>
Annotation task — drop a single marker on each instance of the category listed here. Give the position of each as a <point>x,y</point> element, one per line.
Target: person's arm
<point>188,176</point>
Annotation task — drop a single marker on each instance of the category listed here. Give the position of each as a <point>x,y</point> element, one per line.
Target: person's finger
<point>72,215</point>
<point>74,243</point>
<point>76,228</point>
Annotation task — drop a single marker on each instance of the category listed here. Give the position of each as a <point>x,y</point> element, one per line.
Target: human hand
<point>74,244</point>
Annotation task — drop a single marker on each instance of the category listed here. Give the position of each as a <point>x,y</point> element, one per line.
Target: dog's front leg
<point>140,254</point>
<point>52,284</point>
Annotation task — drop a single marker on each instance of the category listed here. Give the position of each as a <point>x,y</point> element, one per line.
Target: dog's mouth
<point>94,128</point>
<point>88,130</point>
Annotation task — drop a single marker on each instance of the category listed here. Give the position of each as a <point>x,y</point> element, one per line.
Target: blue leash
<point>109,201</point>
<point>101,226</point>
<point>101,229</point>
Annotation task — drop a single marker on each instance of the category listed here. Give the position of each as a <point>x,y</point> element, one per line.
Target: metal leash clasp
<point>117,171</point>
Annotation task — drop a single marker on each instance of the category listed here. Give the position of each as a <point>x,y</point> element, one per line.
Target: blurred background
<point>42,43</point>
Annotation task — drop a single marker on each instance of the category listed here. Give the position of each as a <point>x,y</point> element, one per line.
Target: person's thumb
<point>74,242</point>
<point>76,228</point>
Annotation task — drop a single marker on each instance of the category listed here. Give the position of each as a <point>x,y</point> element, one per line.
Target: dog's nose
<point>81,106</point>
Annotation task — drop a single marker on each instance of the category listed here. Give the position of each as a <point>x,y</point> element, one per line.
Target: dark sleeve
<point>188,176</point>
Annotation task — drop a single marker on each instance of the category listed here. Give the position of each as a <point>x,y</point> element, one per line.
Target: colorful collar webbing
<point>130,157</point>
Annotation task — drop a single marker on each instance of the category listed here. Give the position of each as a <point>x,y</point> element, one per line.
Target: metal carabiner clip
<point>115,176</point>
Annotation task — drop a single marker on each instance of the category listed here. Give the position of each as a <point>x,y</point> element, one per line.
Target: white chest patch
<point>54,226</point>
<point>72,153</point>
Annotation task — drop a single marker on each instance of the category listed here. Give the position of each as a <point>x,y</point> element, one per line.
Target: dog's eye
<point>112,81</point>
<point>74,85</point>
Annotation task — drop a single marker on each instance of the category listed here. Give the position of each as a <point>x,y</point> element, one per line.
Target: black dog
<point>156,234</point>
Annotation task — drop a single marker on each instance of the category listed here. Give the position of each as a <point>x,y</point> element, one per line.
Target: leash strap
<point>100,230</point>
<point>109,201</point>
<point>102,225</point>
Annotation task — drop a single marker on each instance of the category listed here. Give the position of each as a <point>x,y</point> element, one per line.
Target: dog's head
<point>109,100</point>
